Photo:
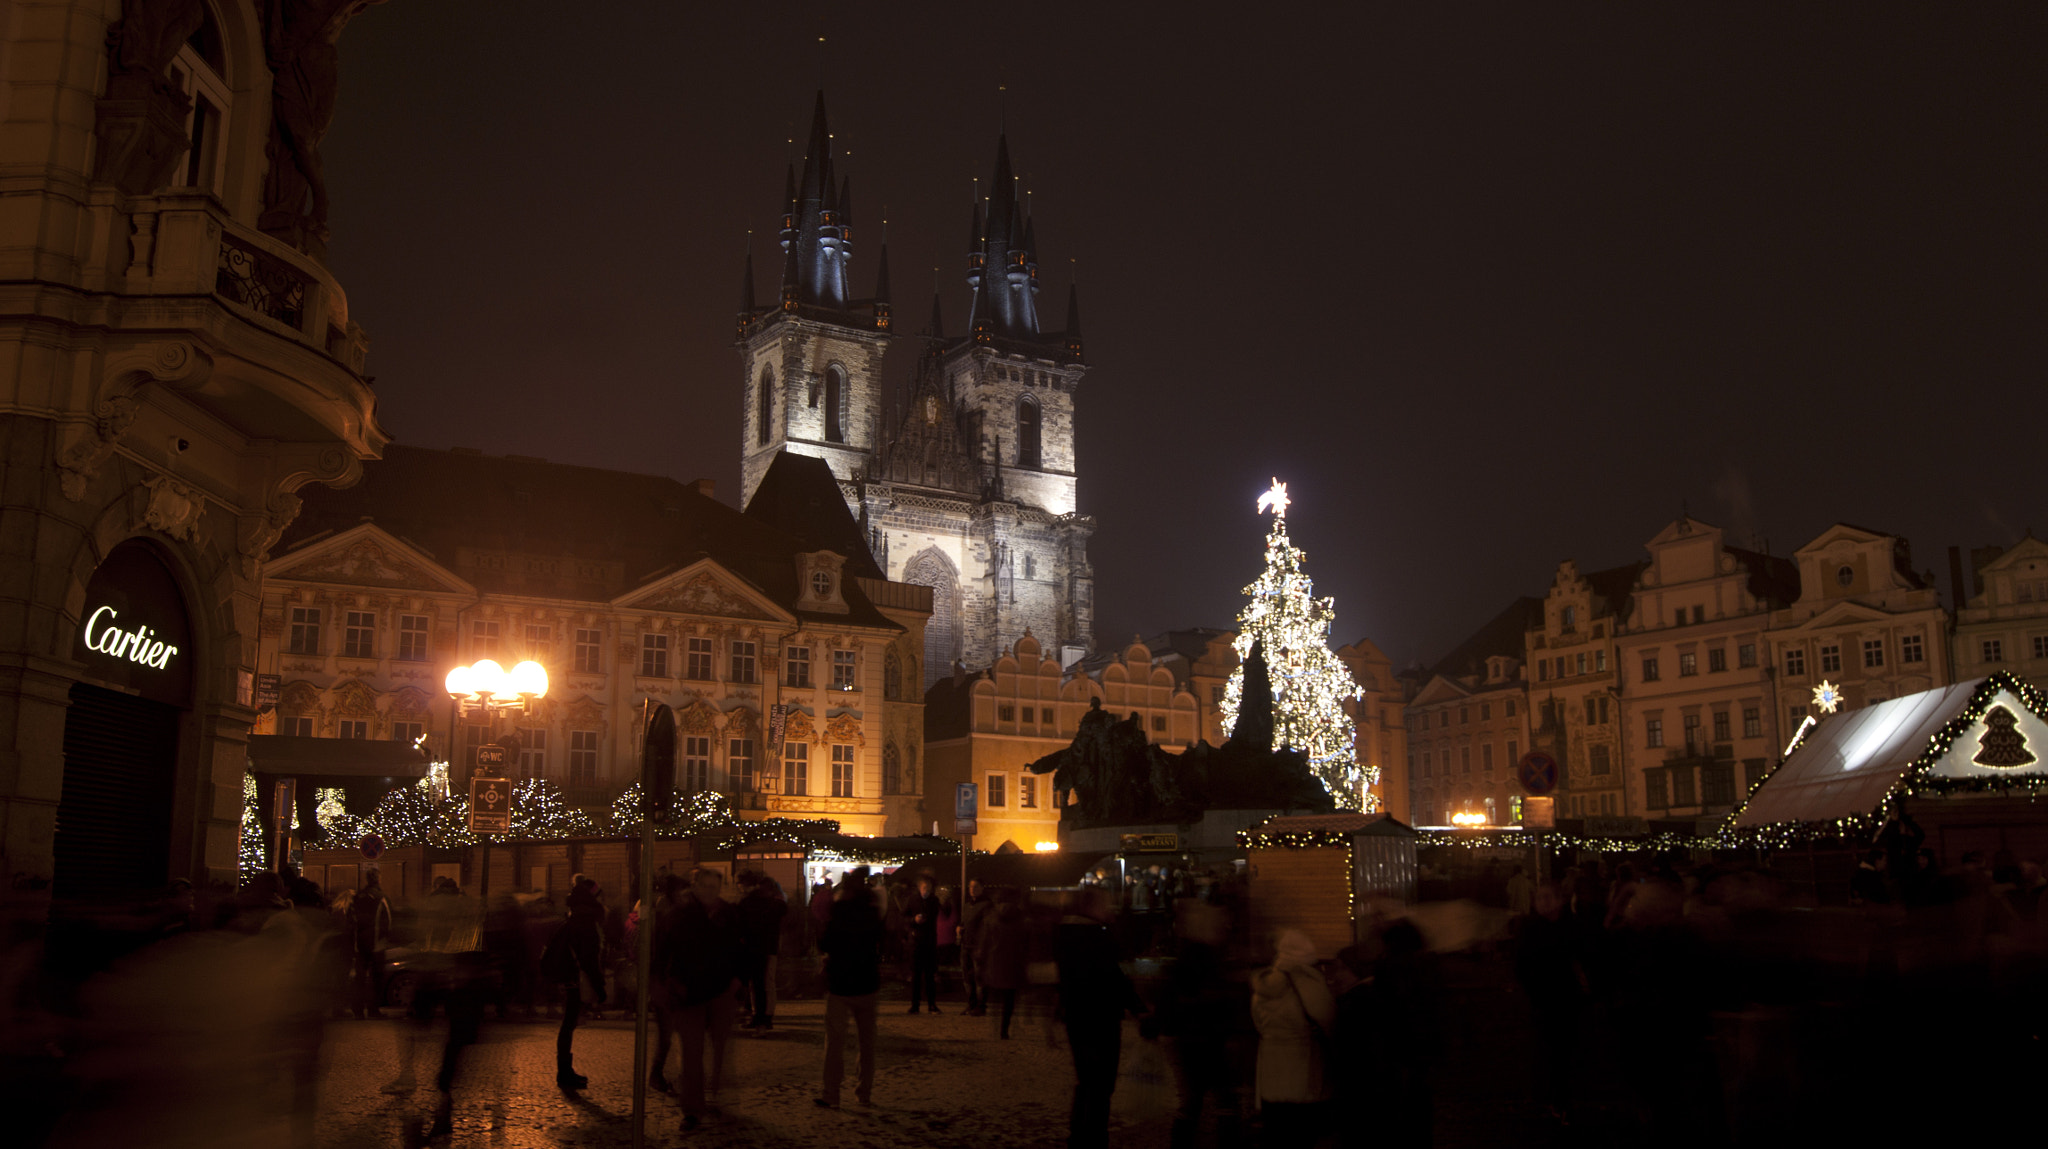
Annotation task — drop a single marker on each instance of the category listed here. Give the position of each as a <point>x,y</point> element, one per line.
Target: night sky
<point>1488,286</point>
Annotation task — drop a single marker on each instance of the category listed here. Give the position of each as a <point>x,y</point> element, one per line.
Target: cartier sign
<point>135,633</point>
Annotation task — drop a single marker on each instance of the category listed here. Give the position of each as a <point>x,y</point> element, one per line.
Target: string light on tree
<point>1311,685</point>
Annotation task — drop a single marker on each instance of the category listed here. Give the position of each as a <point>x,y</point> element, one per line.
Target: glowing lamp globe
<point>529,679</point>
<point>488,679</point>
<point>460,683</point>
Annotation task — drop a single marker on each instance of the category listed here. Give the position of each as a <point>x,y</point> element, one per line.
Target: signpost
<point>490,810</point>
<point>372,847</point>
<point>657,793</point>
<point>966,802</point>
<point>1537,772</point>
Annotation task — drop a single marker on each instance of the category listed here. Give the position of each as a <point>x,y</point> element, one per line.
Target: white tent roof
<point>1847,765</point>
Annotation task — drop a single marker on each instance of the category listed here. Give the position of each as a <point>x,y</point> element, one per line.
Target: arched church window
<point>942,633</point>
<point>764,404</point>
<point>1027,431</point>
<point>835,405</point>
<point>892,676</point>
<point>892,770</point>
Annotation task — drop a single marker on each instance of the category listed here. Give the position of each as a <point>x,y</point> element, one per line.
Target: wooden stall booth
<point>1316,872</point>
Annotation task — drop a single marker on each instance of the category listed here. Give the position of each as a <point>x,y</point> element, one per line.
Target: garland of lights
<point>1311,685</point>
<point>1916,780</point>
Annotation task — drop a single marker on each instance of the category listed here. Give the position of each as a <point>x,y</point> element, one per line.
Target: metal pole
<point>644,955</point>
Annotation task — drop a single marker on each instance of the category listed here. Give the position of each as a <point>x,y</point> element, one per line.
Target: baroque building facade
<point>967,484</point>
<point>180,365</point>
<point>1379,723</point>
<point>1575,687</point>
<point>1468,724</point>
<point>1699,706</point>
<point>2003,623</point>
<point>1863,621</point>
<point>987,727</point>
<point>790,664</point>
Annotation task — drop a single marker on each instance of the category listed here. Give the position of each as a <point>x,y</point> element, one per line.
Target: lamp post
<point>490,690</point>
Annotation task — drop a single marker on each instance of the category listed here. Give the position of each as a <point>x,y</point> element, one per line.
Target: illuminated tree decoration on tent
<point>250,845</point>
<point>539,812</point>
<point>1311,685</point>
<point>2002,744</point>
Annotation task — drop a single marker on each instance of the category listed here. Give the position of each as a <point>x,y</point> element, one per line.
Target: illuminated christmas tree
<point>251,843</point>
<point>1311,685</point>
<point>539,812</point>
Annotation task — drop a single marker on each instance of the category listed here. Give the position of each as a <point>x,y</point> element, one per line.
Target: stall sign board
<point>1150,843</point>
<point>1539,814</point>
<point>267,688</point>
<point>490,806</point>
<point>491,755</point>
<point>964,826</point>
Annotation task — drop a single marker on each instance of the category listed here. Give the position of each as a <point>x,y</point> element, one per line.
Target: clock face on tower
<point>821,584</point>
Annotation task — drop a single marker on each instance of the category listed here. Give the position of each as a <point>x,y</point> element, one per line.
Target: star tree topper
<point>1827,696</point>
<point>1276,499</point>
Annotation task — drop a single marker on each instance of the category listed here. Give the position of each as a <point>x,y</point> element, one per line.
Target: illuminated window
<point>412,638</point>
<point>842,771</point>
<point>1027,792</point>
<point>408,733</point>
<point>589,652</point>
<point>305,633</point>
<point>483,639</point>
<point>696,774</point>
<point>359,634</point>
<point>993,794</point>
<point>842,669</point>
<point>697,659</point>
<point>796,768</point>
<point>796,662</point>
<point>1688,664</point>
<point>892,769</point>
<point>540,637</point>
<point>533,753</point>
<point>742,661</point>
<point>654,656</point>
<point>739,765</point>
<point>583,757</point>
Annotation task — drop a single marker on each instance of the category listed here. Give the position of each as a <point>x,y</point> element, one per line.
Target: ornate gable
<point>741,722</point>
<point>798,727</point>
<point>355,700</point>
<point>697,718</point>
<point>585,712</point>
<point>700,591</point>
<point>844,728</point>
<point>930,447</point>
<point>371,559</point>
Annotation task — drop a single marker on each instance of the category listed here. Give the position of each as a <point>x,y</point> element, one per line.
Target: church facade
<point>966,483</point>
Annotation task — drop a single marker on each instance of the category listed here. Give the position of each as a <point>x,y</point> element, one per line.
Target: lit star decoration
<point>1311,685</point>
<point>1827,696</point>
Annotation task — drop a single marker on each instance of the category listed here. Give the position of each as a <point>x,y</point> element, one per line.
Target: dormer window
<point>821,584</point>
<point>819,587</point>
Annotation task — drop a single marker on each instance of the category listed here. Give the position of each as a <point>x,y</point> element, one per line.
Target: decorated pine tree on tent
<point>539,812</point>
<point>1311,685</point>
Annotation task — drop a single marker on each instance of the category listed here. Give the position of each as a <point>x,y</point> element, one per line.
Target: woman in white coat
<point>1294,1012</point>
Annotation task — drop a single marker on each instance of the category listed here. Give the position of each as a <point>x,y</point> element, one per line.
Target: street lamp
<point>490,690</point>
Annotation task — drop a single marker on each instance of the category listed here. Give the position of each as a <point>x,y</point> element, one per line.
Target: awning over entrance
<point>340,759</point>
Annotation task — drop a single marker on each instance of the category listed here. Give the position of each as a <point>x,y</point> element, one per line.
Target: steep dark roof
<point>1613,586</point>
<point>799,497</point>
<point>1773,580</point>
<point>947,708</point>
<point>1191,643</point>
<point>621,528</point>
<point>1503,634</point>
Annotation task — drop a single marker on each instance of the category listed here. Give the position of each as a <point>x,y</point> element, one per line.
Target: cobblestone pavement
<point>944,1080</point>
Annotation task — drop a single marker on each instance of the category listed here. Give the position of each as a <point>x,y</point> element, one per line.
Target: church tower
<point>967,483</point>
<point>812,359</point>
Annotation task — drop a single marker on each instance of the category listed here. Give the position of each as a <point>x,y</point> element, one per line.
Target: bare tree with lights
<point>1311,685</point>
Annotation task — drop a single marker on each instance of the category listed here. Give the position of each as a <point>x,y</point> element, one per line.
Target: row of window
<point>1912,649</point>
<point>1689,662</point>
<point>1708,784</point>
<point>1566,665</point>
<point>1419,719</point>
<point>1442,754</point>
<point>486,640</point>
<point>996,793</point>
<point>1993,649</point>
<point>1752,727</point>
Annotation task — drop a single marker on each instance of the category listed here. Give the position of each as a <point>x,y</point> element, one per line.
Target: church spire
<point>1073,332</point>
<point>817,229</point>
<point>746,293</point>
<point>1006,260</point>
<point>882,283</point>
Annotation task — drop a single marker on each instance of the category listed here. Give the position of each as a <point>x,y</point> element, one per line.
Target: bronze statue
<point>300,38</point>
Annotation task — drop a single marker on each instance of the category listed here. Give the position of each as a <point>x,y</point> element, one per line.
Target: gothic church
<point>966,484</point>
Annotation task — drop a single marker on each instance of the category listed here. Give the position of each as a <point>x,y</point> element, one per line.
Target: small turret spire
<point>882,282</point>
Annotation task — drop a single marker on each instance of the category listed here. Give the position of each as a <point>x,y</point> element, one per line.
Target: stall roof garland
<point>1917,778</point>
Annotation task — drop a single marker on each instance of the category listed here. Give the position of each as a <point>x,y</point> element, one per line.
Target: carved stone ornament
<point>741,722</point>
<point>365,563</point>
<point>81,462</point>
<point>844,728</point>
<point>798,727</point>
<point>697,718</point>
<point>258,533</point>
<point>174,508</point>
<point>703,594</point>
<point>585,712</point>
<point>355,700</point>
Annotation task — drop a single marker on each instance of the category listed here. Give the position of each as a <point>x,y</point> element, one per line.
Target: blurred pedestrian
<point>1002,948</point>
<point>705,947</point>
<point>1198,1009</point>
<point>370,927</point>
<point>852,947</point>
<point>1520,892</point>
<point>1094,996</point>
<point>921,923</point>
<point>975,913</point>
<point>1406,1036</point>
<point>760,915</point>
<point>574,958</point>
<point>669,891</point>
<point>1295,1015</point>
<point>1547,964</point>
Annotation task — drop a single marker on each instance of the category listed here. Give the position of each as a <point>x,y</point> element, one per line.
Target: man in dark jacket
<point>1094,993</point>
<point>921,915</point>
<point>575,958</point>
<point>852,945</point>
<point>705,947</point>
<point>975,914</point>
<point>761,913</point>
